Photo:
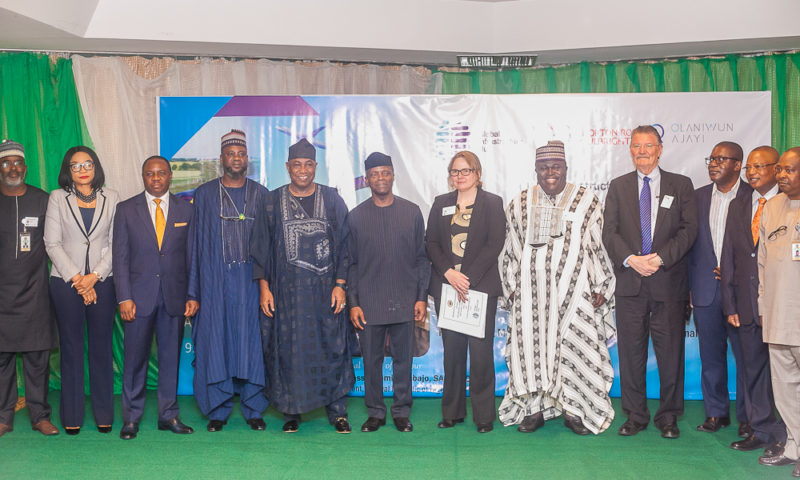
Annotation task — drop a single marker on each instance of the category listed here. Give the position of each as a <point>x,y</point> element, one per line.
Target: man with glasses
<point>713,331</point>
<point>27,323</point>
<point>739,288</point>
<point>227,331</point>
<point>558,361</point>
<point>650,223</point>
<point>778,305</point>
<point>388,288</point>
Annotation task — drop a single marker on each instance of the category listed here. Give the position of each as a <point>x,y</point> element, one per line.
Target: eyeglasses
<point>87,165</point>
<point>777,232</point>
<point>648,146</point>
<point>9,163</point>
<point>719,159</point>
<point>747,168</point>
<point>231,155</point>
<point>463,172</point>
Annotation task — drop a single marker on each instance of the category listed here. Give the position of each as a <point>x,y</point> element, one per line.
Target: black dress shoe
<point>449,423</point>
<point>774,449</point>
<point>373,424</point>
<point>129,431</point>
<point>403,424</point>
<point>175,426</point>
<point>485,427</point>
<point>215,425</point>
<point>750,443</point>
<point>713,424</point>
<point>104,428</point>
<point>745,430</point>
<point>72,430</point>
<point>631,428</point>
<point>531,423</point>
<point>341,425</point>
<point>257,424</point>
<point>291,426</point>
<point>576,425</point>
<point>670,430</point>
<point>776,461</point>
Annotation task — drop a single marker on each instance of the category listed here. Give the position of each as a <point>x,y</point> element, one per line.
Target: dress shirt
<point>655,193</point>
<point>718,213</point>
<point>151,206</point>
<point>756,196</point>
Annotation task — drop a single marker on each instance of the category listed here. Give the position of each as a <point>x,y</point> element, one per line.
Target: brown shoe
<point>46,428</point>
<point>5,429</point>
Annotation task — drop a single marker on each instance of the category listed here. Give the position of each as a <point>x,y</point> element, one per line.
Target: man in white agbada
<point>557,283</point>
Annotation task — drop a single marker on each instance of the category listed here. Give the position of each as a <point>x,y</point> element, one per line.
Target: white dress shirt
<point>151,205</point>
<point>756,196</point>
<point>718,214</point>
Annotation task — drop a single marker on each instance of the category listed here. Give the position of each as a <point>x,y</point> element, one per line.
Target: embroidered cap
<point>234,137</point>
<point>10,148</point>
<point>554,150</point>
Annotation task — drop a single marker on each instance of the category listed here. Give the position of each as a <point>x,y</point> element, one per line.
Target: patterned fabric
<point>645,216</point>
<point>161,222</point>
<point>459,226</point>
<point>557,356</point>
<point>757,219</point>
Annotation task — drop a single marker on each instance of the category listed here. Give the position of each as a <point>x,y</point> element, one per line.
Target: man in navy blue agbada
<point>227,331</point>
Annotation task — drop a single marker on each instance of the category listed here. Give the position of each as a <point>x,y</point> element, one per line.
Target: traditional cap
<point>303,149</point>
<point>10,148</point>
<point>554,150</point>
<point>234,137</point>
<point>377,159</point>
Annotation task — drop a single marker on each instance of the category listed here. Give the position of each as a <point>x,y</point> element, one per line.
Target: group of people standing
<point>290,276</point>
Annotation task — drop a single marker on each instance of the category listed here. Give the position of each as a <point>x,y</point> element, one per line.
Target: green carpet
<point>316,451</point>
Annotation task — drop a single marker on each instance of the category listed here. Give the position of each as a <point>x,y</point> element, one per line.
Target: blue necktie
<point>644,216</point>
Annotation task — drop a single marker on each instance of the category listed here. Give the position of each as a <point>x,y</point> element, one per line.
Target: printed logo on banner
<point>451,138</point>
<point>695,132</point>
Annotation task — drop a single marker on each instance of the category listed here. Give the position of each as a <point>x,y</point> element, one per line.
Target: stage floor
<point>316,451</point>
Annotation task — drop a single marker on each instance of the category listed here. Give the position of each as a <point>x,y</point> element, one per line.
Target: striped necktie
<point>757,219</point>
<point>645,213</point>
<point>161,222</point>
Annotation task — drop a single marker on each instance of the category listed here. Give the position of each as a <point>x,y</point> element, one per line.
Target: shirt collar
<point>164,198</point>
<point>771,193</point>
<point>654,176</point>
<point>730,193</point>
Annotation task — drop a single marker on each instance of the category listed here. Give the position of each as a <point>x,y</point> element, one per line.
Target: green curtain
<point>778,73</point>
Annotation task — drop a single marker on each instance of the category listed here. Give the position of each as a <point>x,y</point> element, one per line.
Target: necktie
<point>757,219</point>
<point>644,216</point>
<point>161,222</point>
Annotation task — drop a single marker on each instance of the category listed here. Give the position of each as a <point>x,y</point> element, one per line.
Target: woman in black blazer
<point>466,232</point>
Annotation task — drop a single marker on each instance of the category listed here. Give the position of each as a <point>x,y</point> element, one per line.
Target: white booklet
<point>467,317</point>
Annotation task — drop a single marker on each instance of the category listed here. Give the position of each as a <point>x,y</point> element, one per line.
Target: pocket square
<point>180,224</point>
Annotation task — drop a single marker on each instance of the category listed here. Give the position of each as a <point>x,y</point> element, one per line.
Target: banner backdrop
<point>421,133</point>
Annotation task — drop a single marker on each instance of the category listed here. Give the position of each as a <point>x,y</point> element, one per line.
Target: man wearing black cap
<point>388,285</point>
<point>27,324</point>
<point>300,259</point>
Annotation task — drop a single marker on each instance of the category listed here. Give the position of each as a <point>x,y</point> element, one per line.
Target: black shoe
<point>745,430</point>
<point>670,430</point>
<point>341,425</point>
<point>373,424</point>
<point>485,427</point>
<point>291,426</point>
<point>450,423</point>
<point>631,428</point>
<point>175,426</point>
<point>403,424</point>
<point>104,428</point>
<point>215,425</point>
<point>129,431</point>
<point>774,449</point>
<point>576,425</point>
<point>257,424</point>
<point>531,423</point>
<point>776,461</point>
<point>750,443</point>
<point>72,430</point>
<point>713,424</point>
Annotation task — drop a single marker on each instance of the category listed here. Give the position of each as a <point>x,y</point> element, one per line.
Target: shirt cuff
<point>625,262</point>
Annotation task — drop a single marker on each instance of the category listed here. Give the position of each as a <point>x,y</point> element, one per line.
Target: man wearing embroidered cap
<point>300,259</point>
<point>388,288</point>
<point>227,331</point>
<point>27,323</point>
<point>558,361</point>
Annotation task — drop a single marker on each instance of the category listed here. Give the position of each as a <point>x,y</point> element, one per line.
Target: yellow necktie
<point>757,219</point>
<point>161,222</point>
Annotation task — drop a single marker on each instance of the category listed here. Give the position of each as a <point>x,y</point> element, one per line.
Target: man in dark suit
<point>650,223</point>
<point>713,331</point>
<point>739,288</point>
<point>153,236</point>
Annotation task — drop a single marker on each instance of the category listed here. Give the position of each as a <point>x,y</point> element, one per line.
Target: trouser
<point>335,409</point>
<point>137,342</point>
<point>373,342</point>
<point>785,363</point>
<point>97,321</point>
<point>638,319</point>
<point>252,401</point>
<point>36,371</point>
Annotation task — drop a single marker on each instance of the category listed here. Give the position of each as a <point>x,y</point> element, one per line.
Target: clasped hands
<point>459,281</point>
<point>84,285</point>
<point>645,265</point>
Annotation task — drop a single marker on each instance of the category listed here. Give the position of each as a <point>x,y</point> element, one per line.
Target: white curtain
<point>118,96</point>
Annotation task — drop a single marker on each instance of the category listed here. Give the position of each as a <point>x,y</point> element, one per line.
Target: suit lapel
<point>171,216</point>
<point>631,191</point>
<point>72,203</point>
<point>665,189</point>
<point>99,210</point>
<point>144,217</point>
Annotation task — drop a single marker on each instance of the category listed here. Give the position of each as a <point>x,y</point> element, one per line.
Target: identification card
<point>24,242</point>
<point>796,251</point>
<point>666,201</point>
<point>451,210</point>
<point>30,221</point>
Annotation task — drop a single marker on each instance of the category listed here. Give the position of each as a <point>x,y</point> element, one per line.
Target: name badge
<point>24,242</point>
<point>451,210</point>
<point>796,251</point>
<point>666,201</point>
<point>30,221</point>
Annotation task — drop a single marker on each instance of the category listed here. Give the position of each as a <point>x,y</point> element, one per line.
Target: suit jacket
<point>702,259</point>
<point>739,263</point>
<point>485,238</point>
<point>675,232</point>
<point>68,242</point>
<point>140,268</point>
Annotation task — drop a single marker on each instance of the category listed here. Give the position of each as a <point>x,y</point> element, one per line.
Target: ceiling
<point>428,32</point>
